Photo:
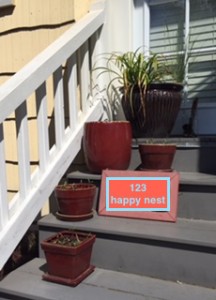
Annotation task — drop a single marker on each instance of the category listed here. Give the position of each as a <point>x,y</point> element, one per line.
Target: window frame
<point>145,40</point>
<point>5,3</point>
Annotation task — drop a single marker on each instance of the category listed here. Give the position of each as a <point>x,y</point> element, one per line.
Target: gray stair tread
<point>103,284</point>
<point>194,178</point>
<point>192,232</point>
<point>83,174</point>
<point>186,142</point>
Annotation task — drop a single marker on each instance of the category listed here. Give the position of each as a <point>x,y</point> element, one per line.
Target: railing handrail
<point>36,187</point>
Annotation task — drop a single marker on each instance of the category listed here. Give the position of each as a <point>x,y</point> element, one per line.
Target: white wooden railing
<point>68,61</point>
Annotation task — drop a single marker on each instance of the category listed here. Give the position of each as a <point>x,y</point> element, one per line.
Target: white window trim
<point>4,3</point>
<point>141,17</point>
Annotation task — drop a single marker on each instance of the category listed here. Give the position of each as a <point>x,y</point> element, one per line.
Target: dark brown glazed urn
<point>107,145</point>
<point>162,105</point>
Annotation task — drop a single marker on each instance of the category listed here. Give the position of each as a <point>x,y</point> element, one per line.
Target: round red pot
<point>107,145</point>
<point>157,157</point>
<point>75,199</point>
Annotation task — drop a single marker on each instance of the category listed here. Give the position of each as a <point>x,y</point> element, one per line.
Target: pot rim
<point>109,122</point>
<point>83,186</point>
<point>164,86</point>
<point>157,144</point>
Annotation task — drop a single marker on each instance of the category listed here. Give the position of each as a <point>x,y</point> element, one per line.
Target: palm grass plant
<point>131,78</point>
<point>131,71</point>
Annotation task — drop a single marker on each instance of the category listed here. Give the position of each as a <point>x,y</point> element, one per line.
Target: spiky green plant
<point>131,70</point>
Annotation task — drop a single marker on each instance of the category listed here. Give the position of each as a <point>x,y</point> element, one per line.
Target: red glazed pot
<point>157,157</point>
<point>107,145</point>
<point>75,199</point>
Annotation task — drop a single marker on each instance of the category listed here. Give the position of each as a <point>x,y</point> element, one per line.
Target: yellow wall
<point>31,25</point>
<point>26,29</point>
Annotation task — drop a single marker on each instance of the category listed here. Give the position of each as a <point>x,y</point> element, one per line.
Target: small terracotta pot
<point>75,200</point>
<point>68,264</point>
<point>157,157</point>
<point>107,145</point>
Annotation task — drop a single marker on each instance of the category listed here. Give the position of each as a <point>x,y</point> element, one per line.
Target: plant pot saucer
<point>69,281</point>
<point>74,217</point>
<point>141,168</point>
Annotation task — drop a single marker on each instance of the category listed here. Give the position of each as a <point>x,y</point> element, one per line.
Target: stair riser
<point>192,155</point>
<point>164,260</point>
<point>197,202</point>
<point>187,159</point>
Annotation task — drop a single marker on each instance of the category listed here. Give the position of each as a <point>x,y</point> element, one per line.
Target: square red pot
<point>68,264</point>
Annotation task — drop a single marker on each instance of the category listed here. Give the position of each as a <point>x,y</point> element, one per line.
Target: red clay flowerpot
<point>107,145</point>
<point>68,264</point>
<point>157,157</point>
<point>75,201</point>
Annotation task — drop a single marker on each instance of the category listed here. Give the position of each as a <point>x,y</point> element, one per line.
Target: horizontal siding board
<point>202,79</point>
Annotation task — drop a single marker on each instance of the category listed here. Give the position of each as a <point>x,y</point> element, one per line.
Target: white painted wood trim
<point>186,42</point>
<point>141,26</point>
<point>85,76</point>
<point>146,12</point>
<point>42,126</point>
<point>72,91</point>
<point>23,150</point>
<point>59,107</point>
<point>4,214</point>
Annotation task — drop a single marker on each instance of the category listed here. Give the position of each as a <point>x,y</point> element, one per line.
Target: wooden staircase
<point>140,259</point>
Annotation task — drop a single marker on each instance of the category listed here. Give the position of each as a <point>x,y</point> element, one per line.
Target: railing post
<point>4,213</point>
<point>85,78</point>
<point>59,106</point>
<point>42,125</point>
<point>23,150</point>
<point>72,91</point>
<point>37,184</point>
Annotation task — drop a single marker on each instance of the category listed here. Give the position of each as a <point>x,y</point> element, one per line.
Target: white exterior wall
<point>120,22</point>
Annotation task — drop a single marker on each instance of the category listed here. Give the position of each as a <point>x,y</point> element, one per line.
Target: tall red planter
<point>107,145</point>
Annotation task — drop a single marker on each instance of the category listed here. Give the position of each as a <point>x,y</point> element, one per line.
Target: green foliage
<point>131,70</point>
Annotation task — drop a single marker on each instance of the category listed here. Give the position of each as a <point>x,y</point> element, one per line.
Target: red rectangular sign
<point>139,194</point>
